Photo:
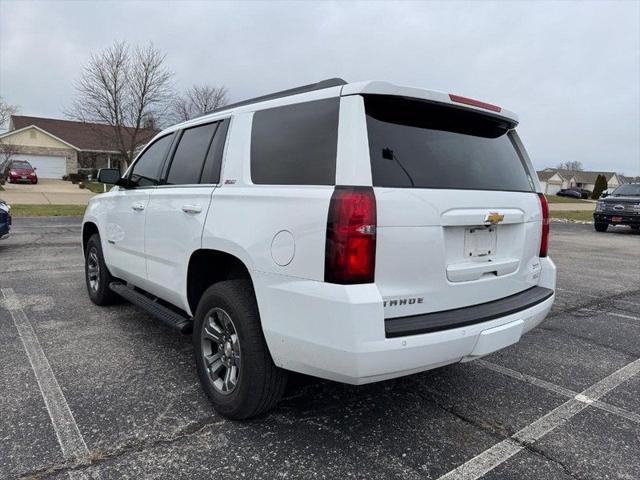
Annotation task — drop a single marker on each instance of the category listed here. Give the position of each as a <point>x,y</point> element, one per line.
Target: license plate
<point>616,219</point>
<point>480,241</point>
<point>24,177</point>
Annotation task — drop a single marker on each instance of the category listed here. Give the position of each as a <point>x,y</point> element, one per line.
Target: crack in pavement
<point>96,458</point>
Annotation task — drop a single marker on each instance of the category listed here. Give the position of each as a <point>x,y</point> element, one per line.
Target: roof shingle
<point>84,136</point>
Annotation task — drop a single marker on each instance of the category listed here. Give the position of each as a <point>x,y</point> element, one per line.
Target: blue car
<point>5,219</point>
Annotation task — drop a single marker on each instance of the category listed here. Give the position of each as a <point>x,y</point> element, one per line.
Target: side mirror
<point>604,195</point>
<point>110,176</point>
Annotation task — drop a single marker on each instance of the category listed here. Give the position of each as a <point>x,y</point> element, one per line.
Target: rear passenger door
<point>178,209</point>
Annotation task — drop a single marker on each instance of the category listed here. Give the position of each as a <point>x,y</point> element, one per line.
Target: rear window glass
<point>416,144</point>
<point>188,159</point>
<point>21,165</point>
<point>211,172</point>
<point>295,144</point>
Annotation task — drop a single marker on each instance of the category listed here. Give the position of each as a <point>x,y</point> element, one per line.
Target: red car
<point>20,171</point>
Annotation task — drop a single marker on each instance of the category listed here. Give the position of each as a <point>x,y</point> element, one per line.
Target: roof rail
<point>328,83</point>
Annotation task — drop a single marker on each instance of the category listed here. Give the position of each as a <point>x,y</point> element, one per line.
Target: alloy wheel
<point>93,269</point>
<point>221,350</point>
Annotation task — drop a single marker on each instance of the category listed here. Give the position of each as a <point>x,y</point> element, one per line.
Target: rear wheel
<point>234,364</point>
<point>601,227</point>
<point>97,276</point>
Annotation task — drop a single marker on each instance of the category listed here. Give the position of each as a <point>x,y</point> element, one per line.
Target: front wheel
<point>97,276</point>
<point>233,362</point>
<point>601,227</point>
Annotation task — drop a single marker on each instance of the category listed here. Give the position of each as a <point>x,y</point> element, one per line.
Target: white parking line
<point>630,317</point>
<point>523,377</point>
<point>579,293</point>
<point>565,392</point>
<point>630,303</point>
<point>501,452</point>
<point>69,437</point>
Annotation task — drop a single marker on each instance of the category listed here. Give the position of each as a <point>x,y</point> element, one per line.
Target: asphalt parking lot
<point>87,392</point>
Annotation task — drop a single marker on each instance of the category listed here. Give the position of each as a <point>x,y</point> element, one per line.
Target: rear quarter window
<point>415,144</point>
<point>295,144</point>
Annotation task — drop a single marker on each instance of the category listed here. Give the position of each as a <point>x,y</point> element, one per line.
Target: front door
<point>125,234</point>
<point>126,214</point>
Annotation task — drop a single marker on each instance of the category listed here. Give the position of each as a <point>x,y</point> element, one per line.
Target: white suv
<point>355,232</point>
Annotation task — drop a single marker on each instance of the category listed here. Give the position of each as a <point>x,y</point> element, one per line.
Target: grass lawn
<point>1,189</point>
<point>583,215</point>
<point>23,210</point>
<point>557,199</point>
<point>96,187</point>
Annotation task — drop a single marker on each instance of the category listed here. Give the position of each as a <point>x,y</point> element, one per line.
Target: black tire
<point>98,289</point>
<point>259,384</point>
<point>601,227</point>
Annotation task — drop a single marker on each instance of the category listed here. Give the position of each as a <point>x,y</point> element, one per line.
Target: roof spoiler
<point>328,83</point>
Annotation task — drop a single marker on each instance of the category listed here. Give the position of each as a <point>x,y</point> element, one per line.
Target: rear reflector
<point>544,241</point>
<point>474,103</point>
<point>350,251</point>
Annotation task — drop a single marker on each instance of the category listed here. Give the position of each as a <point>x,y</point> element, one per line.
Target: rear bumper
<point>625,219</point>
<point>338,332</point>
<point>466,316</point>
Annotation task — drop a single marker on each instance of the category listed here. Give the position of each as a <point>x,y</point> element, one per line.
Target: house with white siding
<point>554,179</point>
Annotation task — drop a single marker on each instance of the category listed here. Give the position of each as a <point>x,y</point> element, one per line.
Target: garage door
<point>47,166</point>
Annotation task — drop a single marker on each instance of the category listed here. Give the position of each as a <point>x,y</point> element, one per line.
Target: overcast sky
<point>570,70</point>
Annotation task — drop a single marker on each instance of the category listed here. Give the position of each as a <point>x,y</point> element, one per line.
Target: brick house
<point>60,147</point>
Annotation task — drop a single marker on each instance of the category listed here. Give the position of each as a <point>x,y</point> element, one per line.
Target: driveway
<point>46,191</point>
<point>100,393</point>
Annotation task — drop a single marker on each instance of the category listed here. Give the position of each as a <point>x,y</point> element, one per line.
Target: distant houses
<point>553,180</point>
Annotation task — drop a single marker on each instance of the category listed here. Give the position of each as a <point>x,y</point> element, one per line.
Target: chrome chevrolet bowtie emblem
<point>493,218</point>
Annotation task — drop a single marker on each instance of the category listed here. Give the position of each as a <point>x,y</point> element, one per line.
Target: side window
<point>146,171</point>
<point>189,156</point>
<point>211,172</point>
<point>295,144</point>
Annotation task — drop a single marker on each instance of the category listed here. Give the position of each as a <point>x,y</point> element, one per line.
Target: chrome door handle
<point>137,206</point>
<point>191,208</point>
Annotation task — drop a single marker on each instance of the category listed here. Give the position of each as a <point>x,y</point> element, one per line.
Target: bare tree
<point>123,87</point>
<point>7,151</point>
<point>198,100</point>
<point>573,165</point>
<point>6,110</point>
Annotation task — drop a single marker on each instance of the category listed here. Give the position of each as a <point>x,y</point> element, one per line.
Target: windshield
<point>417,144</point>
<point>20,165</point>
<point>627,190</point>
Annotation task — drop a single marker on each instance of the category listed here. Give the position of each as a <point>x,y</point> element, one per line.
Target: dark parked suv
<point>622,207</point>
<point>5,219</point>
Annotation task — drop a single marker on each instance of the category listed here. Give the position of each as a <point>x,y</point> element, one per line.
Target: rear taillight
<point>544,241</point>
<point>350,252</point>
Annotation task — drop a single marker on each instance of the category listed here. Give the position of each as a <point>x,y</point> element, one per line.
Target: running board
<point>169,317</point>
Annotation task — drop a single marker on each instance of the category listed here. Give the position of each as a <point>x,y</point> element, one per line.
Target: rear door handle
<point>191,208</point>
<point>137,206</point>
